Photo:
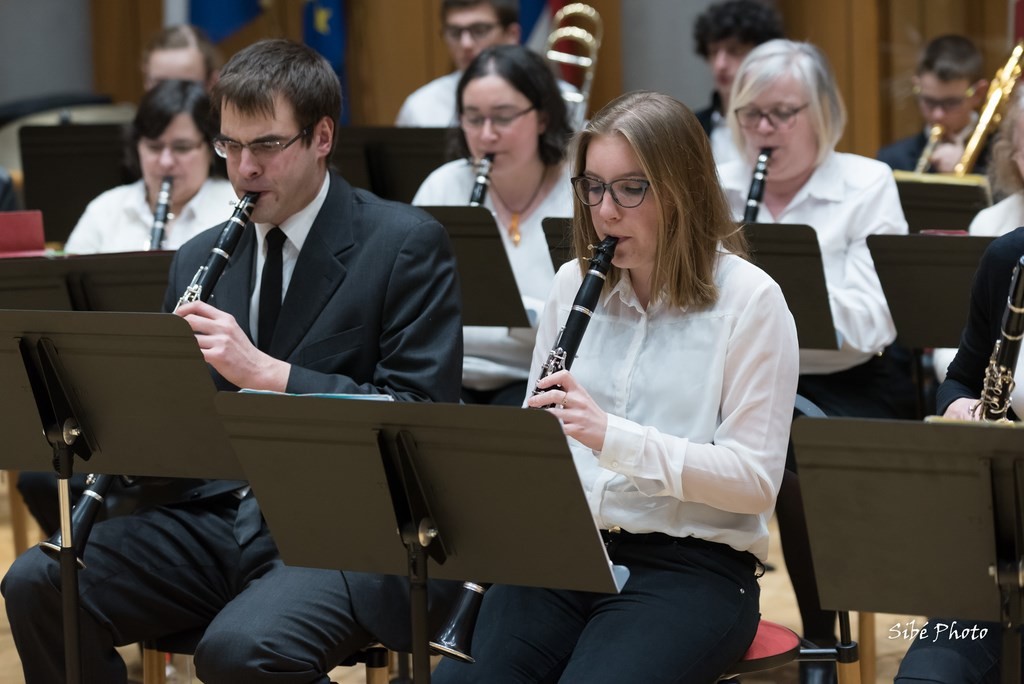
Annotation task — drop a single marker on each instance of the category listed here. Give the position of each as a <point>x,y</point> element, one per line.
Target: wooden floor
<point>777,604</point>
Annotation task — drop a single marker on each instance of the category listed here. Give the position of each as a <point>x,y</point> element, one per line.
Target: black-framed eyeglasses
<point>261,149</point>
<point>499,120</point>
<point>750,116</point>
<point>626,192</point>
<point>477,31</point>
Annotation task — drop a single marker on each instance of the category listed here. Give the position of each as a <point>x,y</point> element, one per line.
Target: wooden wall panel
<point>120,28</point>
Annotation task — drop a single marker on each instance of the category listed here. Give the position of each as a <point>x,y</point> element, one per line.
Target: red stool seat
<point>773,646</point>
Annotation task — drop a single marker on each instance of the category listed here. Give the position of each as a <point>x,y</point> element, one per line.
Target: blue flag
<point>324,30</point>
<point>221,18</point>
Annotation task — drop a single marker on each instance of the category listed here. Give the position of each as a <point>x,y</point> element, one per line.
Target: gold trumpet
<point>995,104</point>
<point>586,38</point>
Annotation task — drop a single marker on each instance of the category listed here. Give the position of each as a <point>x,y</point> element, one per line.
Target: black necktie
<point>270,289</point>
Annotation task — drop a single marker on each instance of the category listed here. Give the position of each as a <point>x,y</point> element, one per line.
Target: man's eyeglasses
<point>261,149</point>
<point>477,31</point>
<point>178,148</point>
<point>498,120</point>
<point>778,117</point>
<point>626,192</point>
<point>944,103</point>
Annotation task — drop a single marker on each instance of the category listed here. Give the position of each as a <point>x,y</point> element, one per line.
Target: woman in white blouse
<point>509,105</point>
<point>170,137</point>
<point>785,98</point>
<point>677,414</point>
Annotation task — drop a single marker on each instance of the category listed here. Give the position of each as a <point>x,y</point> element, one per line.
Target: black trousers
<point>953,652</point>
<point>688,611</point>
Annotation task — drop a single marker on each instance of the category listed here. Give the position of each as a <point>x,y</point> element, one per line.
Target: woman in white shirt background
<point>508,105</point>
<point>785,98</point>
<point>171,136</point>
<point>677,417</point>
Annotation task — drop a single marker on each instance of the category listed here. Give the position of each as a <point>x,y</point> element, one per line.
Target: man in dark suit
<point>723,35</point>
<point>366,301</point>
<point>949,89</point>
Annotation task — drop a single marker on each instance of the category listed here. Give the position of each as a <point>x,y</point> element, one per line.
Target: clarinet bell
<point>82,519</point>
<point>455,639</point>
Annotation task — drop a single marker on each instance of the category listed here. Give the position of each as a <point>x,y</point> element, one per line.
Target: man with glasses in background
<point>949,88</point>
<point>329,290</point>
<point>468,27</point>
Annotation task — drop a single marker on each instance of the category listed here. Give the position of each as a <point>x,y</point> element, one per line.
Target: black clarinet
<point>160,216</point>
<point>757,186</point>
<point>208,274</point>
<point>483,180</point>
<point>999,383</point>
<point>456,636</point>
<point>97,486</point>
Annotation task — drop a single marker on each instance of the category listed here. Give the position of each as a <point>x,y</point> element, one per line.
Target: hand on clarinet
<point>228,349</point>
<point>962,409</point>
<point>581,417</point>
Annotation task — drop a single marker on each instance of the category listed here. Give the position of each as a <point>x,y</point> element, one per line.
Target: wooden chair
<point>154,658</point>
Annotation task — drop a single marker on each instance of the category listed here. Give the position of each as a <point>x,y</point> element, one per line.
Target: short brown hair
<point>184,36</point>
<point>507,10</point>
<point>695,223</point>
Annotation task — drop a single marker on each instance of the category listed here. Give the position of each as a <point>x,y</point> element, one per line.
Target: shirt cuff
<point>623,446</point>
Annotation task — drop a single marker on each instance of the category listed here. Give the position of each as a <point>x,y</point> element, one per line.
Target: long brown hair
<point>694,223</point>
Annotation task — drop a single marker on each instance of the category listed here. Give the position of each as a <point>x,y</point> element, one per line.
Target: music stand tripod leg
<point>63,459</point>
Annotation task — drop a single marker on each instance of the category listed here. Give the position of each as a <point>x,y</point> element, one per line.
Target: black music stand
<point>558,233</point>
<point>490,295</point>
<point>927,283</point>
<point>390,161</point>
<point>452,477</point>
<point>66,166</point>
<point>917,518</point>
<point>790,254</point>
<point>100,384</point>
<point>936,201</point>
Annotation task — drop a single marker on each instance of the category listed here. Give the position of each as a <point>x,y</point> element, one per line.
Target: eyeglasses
<point>626,192</point>
<point>178,148</point>
<point>778,117</point>
<point>261,149</point>
<point>498,120</point>
<point>945,103</point>
<point>477,31</point>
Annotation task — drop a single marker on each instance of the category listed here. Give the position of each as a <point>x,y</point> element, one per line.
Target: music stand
<point>99,385</point>
<point>65,167</point>
<point>389,161</point>
<point>790,254</point>
<point>490,296</point>
<point>558,233</point>
<point>465,470</point>
<point>886,501</point>
<point>936,201</point>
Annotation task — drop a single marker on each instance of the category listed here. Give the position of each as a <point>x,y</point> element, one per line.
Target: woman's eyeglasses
<point>626,192</point>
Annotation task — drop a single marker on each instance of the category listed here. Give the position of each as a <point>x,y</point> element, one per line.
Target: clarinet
<point>999,383</point>
<point>208,274</point>
<point>757,186</point>
<point>455,638</point>
<point>160,216</point>
<point>483,180</point>
<point>85,512</point>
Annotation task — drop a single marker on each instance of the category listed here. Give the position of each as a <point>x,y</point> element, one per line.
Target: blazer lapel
<point>319,270</point>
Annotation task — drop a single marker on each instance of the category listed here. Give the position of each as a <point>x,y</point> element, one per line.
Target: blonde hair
<point>675,156</point>
<point>805,63</point>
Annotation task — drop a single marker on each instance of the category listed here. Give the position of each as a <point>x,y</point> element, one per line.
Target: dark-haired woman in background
<point>508,105</point>
<point>170,137</point>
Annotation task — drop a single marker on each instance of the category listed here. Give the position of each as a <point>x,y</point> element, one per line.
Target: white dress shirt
<point>699,406</point>
<point>495,357</point>
<point>120,220</point>
<point>847,198</point>
<point>296,229</point>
